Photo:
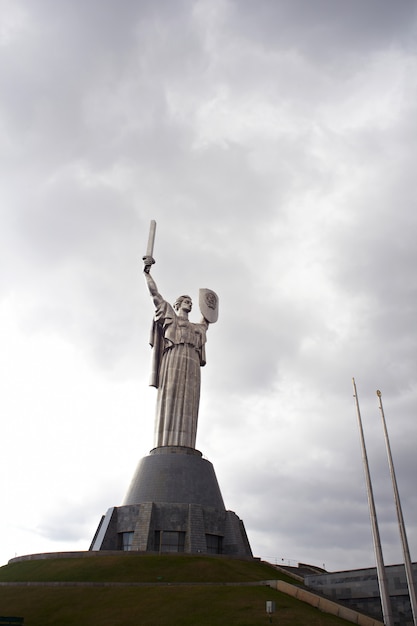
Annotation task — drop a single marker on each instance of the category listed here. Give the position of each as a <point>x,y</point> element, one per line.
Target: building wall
<point>359,589</point>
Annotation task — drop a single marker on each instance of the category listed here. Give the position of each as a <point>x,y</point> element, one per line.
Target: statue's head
<point>183,299</point>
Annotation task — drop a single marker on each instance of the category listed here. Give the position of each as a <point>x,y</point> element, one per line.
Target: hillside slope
<point>136,590</point>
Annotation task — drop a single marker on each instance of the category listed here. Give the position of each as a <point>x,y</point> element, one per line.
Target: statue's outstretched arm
<point>153,289</point>
<point>204,322</point>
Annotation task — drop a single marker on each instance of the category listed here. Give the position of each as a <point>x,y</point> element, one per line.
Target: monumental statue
<point>178,354</point>
<point>174,502</point>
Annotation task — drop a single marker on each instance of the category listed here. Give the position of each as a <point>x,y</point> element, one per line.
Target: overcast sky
<point>274,142</point>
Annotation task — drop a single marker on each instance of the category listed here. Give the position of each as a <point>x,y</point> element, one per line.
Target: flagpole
<point>380,568</point>
<point>404,541</point>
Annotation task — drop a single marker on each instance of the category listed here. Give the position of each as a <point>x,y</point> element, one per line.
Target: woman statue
<point>178,354</point>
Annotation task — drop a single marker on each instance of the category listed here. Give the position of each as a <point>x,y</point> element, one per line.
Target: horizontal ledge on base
<point>176,450</point>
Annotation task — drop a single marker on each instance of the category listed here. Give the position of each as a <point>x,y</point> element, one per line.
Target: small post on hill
<point>270,608</point>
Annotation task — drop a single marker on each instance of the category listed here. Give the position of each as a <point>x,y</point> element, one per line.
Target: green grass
<point>158,606</point>
<point>139,568</point>
<point>162,603</point>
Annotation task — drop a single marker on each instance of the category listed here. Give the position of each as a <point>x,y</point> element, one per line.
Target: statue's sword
<point>149,248</point>
<point>151,238</point>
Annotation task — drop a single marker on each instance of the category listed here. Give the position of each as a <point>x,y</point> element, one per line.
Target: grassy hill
<point>136,590</point>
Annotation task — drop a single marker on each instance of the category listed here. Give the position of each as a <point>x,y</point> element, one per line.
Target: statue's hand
<point>148,261</point>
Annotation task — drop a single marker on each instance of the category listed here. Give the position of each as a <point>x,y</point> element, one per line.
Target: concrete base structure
<point>173,504</point>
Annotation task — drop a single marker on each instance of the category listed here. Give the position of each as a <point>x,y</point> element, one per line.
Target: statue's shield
<point>209,305</point>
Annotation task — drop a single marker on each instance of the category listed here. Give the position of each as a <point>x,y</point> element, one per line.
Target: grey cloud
<point>327,29</point>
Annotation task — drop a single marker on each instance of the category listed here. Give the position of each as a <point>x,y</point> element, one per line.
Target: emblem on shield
<point>209,305</point>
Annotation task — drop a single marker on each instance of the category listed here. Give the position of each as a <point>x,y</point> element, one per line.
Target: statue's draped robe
<point>178,354</point>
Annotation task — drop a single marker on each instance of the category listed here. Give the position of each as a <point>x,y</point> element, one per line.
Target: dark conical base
<point>175,474</point>
<point>173,504</point>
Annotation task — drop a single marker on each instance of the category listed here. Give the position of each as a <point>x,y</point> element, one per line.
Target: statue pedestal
<point>173,504</point>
